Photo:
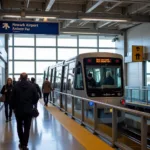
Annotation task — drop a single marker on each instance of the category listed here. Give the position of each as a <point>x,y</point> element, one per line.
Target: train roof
<point>84,55</point>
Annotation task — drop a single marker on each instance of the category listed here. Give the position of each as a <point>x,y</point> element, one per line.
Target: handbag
<point>35,113</point>
<point>2,98</point>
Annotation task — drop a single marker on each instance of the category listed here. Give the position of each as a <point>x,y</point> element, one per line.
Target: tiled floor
<point>46,134</point>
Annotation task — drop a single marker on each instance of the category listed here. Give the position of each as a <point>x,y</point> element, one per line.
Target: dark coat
<point>38,89</point>
<point>7,91</point>
<point>24,97</point>
<point>109,81</point>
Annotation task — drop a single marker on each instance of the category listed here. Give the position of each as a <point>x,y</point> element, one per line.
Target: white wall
<point>139,35</point>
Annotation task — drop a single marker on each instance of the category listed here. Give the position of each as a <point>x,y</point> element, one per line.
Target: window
<point>39,80</point>
<point>23,40</point>
<point>66,53</point>
<point>27,67</point>
<point>67,41</point>
<point>10,53</point>
<point>45,40</point>
<point>106,43</point>
<point>81,51</point>
<point>87,41</point>
<point>24,53</point>
<point>10,67</point>
<point>79,77</point>
<point>29,76</point>
<point>107,50</point>
<point>70,76</point>
<point>65,79</point>
<point>46,53</point>
<point>40,66</point>
<point>10,40</point>
<point>148,67</point>
<point>58,77</point>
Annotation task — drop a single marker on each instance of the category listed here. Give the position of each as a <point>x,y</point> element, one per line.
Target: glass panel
<point>87,50</point>
<point>77,108</point>
<point>10,40</point>
<point>87,41</point>
<point>148,71</point>
<point>106,43</point>
<point>67,40</point>
<point>45,40</point>
<point>24,53</point>
<point>10,76</point>
<point>29,76</point>
<point>10,53</point>
<point>39,80</point>
<point>107,50</point>
<point>27,67</point>
<point>23,40</point>
<point>10,67</point>
<point>40,66</point>
<point>148,77</point>
<point>46,53</point>
<point>66,53</point>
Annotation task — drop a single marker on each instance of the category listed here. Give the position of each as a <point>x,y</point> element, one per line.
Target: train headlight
<point>123,101</point>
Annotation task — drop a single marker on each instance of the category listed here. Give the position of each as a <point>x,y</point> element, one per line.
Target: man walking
<point>24,96</point>
<point>46,89</point>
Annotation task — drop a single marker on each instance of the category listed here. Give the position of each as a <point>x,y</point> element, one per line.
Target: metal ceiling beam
<point>102,24</point>
<point>49,5</point>
<point>90,6</point>
<point>78,16</point>
<point>115,5</point>
<point>135,8</point>
<point>27,1</point>
<point>66,23</point>
<point>92,31</point>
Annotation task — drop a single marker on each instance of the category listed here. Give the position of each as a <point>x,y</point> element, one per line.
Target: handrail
<point>135,112</point>
<point>144,117</point>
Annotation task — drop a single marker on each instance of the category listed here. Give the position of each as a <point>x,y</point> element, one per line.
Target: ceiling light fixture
<point>105,19</point>
<point>42,17</point>
<point>12,16</point>
<point>74,32</point>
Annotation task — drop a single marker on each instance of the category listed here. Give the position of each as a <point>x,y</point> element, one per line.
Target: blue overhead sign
<point>29,27</point>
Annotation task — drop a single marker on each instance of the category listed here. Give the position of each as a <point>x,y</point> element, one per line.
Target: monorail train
<point>97,76</point>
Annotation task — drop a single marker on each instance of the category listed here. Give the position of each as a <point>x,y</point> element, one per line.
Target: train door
<point>70,86</point>
<point>50,79</point>
<point>64,86</point>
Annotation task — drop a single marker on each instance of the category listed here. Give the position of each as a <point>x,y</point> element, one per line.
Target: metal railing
<point>138,94</point>
<point>114,131</point>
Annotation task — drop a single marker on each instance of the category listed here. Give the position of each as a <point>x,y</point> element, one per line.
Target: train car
<point>97,76</point>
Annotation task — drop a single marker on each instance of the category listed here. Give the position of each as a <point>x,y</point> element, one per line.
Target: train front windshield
<point>104,77</point>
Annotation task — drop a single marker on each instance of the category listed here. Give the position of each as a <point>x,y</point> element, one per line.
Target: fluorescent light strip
<point>42,17</point>
<point>12,16</point>
<point>79,33</point>
<point>104,19</point>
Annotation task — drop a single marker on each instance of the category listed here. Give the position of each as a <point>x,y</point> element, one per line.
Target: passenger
<point>24,96</point>
<point>109,79</point>
<point>37,88</point>
<point>91,80</point>
<point>14,81</point>
<point>46,89</point>
<point>7,91</point>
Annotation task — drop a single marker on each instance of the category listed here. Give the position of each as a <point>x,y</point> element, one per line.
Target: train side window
<point>58,77</point>
<point>78,78</point>
<point>70,76</point>
<point>53,77</point>
<point>65,79</point>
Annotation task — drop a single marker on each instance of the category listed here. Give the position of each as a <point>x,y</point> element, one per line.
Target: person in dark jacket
<point>24,97</point>
<point>37,88</point>
<point>109,79</point>
<point>7,91</point>
<point>14,81</point>
<point>91,80</point>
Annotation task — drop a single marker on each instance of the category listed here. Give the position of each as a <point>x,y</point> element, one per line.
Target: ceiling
<point>88,16</point>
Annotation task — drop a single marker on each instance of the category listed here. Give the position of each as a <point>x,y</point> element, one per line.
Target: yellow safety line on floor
<point>84,137</point>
